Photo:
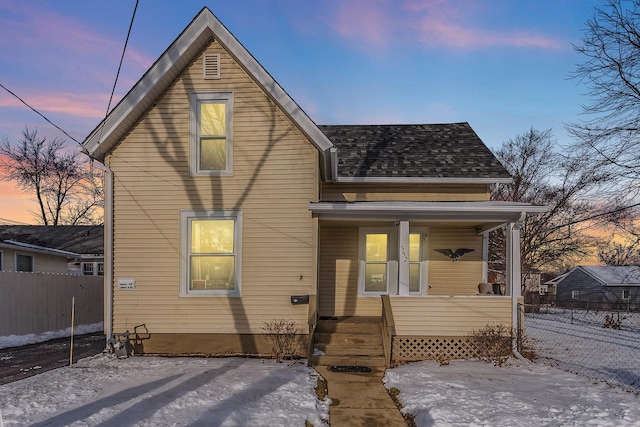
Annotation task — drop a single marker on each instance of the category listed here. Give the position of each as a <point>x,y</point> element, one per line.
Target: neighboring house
<point>84,244</point>
<point>228,207</point>
<point>600,286</point>
<point>23,257</point>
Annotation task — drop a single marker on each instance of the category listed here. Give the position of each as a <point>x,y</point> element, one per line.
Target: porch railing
<point>388,327</point>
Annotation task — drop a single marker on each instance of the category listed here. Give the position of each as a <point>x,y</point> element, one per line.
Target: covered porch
<point>417,266</point>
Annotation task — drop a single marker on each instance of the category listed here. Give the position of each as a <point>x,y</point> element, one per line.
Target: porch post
<point>403,258</point>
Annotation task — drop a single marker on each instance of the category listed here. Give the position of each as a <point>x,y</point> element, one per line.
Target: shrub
<point>492,343</point>
<point>283,337</point>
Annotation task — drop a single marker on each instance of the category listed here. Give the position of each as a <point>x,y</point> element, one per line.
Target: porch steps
<point>348,341</point>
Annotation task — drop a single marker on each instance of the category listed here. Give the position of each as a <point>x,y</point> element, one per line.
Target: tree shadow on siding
<point>176,154</point>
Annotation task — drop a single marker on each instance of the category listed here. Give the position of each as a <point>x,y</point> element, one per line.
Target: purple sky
<point>501,65</point>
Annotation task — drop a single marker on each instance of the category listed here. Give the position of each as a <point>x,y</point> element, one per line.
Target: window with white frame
<point>626,294</point>
<point>417,262</point>
<point>376,258</point>
<point>25,262</point>
<point>575,294</point>
<point>211,133</point>
<point>211,244</point>
<point>101,269</point>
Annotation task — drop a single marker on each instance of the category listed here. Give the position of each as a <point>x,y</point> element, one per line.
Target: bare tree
<point>65,188</point>
<point>611,71</point>
<point>543,176</point>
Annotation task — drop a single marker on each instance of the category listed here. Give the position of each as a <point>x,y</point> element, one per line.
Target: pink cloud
<point>434,23</point>
<point>72,104</point>
<point>46,28</point>
<point>365,20</point>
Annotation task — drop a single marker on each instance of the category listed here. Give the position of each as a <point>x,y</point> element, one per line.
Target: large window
<point>375,262</point>
<point>211,252</point>
<point>211,141</point>
<point>24,262</point>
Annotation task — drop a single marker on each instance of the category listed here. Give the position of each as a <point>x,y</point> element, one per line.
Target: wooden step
<point>347,339</point>
<point>327,360</point>
<point>346,350</point>
<point>360,325</point>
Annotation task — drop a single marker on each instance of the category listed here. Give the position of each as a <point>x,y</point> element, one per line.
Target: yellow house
<point>228,207</point>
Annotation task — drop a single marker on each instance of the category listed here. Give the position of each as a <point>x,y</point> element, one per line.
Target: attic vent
<point>211,66</point>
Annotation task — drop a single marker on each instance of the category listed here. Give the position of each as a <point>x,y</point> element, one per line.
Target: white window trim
<point>575,294</point>
<point>424,263</point>
<point>392,264</point>
<point>185,217</point>
<point>33,261</point>
<point>195,100</point>
<point>628,292</point>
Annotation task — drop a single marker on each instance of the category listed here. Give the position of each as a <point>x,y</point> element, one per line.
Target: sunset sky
<point>501,65</point>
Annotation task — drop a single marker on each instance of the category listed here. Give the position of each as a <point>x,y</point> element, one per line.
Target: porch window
<point>211,252</point>
<point>211,147</point>
<point>375,263</point>
<point>25,263</point>
<point>415,262</point>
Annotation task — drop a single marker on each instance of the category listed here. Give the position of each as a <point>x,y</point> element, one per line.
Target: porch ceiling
<point>485,213</point>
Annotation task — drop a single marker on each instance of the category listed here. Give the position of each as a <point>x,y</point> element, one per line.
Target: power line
<point>113,89</point>
<point>40,114</point>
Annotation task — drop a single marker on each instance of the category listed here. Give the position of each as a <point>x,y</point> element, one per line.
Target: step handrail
<point>388,327</point>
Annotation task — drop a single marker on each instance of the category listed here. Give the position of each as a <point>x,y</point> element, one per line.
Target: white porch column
<point>485,256</point>
<point>403,258</point>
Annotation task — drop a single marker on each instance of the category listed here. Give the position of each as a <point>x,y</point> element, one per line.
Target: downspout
<point>108,247</point>
<point>515,278</point>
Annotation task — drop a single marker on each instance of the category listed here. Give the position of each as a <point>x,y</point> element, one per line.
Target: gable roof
<point>430,152</point>
<point>204,28</point>
<point>609,275</point>
<point>79,239</point>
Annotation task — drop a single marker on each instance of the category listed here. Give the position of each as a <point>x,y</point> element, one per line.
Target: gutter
<point>108,247</point>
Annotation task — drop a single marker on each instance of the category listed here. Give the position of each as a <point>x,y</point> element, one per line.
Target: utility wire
<point>113,89</point>
<point>39,113</point>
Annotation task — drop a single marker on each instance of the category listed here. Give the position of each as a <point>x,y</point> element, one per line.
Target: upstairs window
<point>211,141</point>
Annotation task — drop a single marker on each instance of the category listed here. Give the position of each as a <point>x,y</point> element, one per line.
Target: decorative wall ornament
<point>454,255</point>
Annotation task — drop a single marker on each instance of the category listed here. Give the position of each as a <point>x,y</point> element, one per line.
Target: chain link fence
<point>599,342</point>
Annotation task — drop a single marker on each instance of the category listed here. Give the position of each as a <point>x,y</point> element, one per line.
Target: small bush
<point>492,343</point>
<point>283,337</point>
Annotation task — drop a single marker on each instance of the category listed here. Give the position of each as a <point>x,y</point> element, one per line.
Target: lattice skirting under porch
<point>407,348</point>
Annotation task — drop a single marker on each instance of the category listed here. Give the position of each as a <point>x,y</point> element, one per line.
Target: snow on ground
<point>577,342</point>
<point>474,393</point>
<point>19,340</point>
<point>155,391</point>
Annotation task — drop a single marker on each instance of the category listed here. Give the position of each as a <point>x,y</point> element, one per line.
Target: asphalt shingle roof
<point>81,239</point>
<point>615,275</point>
<point>450,150</point>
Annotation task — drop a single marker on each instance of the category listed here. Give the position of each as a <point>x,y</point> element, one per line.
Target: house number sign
<point>127,284</point>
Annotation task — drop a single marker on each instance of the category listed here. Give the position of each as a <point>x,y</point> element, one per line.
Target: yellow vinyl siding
<point>448,316</point>
<point>274,178</point>
<point>410,193</point>
<point>338,275</point>
<point>454,278</point>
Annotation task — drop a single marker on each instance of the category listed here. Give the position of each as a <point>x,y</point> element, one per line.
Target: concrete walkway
<point>360,399</point>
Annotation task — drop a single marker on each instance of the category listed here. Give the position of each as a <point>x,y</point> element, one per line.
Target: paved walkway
<point>360,399</point>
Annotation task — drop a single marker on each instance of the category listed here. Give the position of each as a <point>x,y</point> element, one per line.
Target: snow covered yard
<point>154,391</point>
<point>474,393</point>
<point>577,342</point>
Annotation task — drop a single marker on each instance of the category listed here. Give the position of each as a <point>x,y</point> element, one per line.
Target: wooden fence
<point>32,303</point>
